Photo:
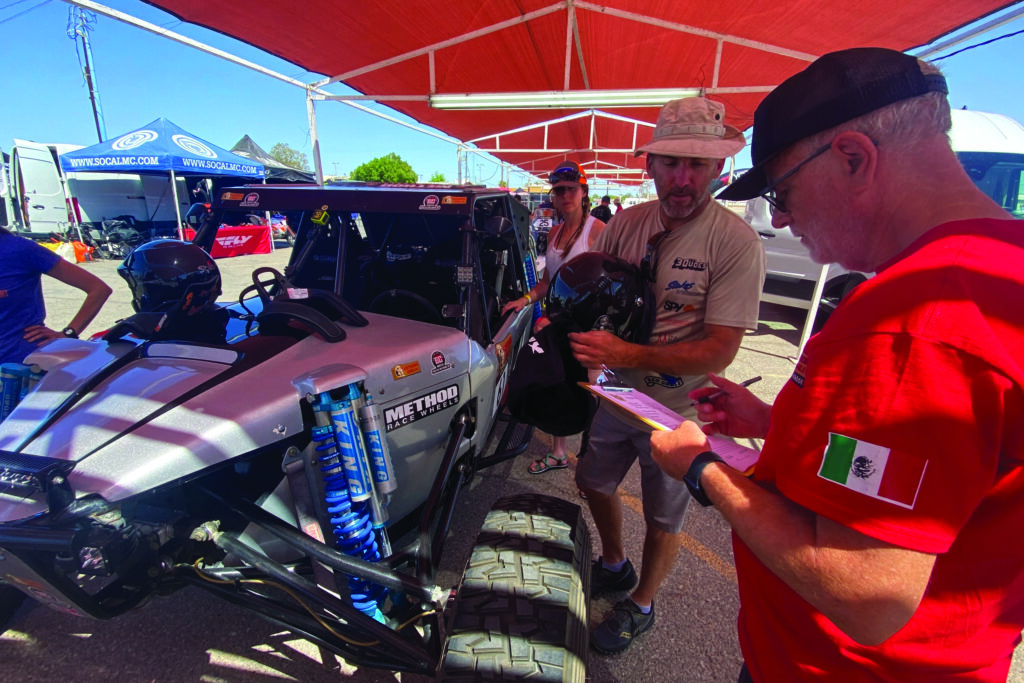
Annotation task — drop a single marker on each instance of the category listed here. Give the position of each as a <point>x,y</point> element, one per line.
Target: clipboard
<point>660,417</point>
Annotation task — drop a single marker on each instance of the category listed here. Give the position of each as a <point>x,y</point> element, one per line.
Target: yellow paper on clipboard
<point>660,417</point>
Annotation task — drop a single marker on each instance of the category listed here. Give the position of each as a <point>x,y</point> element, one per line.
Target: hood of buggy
<point>132,418</point>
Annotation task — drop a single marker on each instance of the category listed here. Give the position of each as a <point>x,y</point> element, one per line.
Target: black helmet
<point>166,275</point>
<point>596,291</point>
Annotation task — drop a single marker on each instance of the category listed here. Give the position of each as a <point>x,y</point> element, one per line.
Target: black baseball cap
<point>835,88</point>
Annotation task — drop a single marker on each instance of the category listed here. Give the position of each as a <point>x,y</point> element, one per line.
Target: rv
<point>47,200</point>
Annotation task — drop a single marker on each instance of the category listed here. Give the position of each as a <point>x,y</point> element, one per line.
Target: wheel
<point>521,610</point>
<point>10,600</point>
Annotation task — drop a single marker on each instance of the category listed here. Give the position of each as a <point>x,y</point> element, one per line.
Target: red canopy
<point>402,52</point>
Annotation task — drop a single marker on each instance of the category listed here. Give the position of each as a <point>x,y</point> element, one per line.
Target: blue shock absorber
<point>353,457</point>
<point>531,280</point>
<point>372,421</point>
<point>349,515</point>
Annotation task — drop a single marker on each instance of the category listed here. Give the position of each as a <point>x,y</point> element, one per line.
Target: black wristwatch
<point>692,478</point>
<point>69,332</point>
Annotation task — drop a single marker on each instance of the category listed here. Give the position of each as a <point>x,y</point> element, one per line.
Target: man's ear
<point>719,165</point>
<point>858,155</point>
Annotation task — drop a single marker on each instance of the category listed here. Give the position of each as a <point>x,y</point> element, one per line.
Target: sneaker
<point>604,580</point>
<point>624,623</point>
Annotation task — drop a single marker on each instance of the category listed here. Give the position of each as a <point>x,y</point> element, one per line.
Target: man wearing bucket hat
<point>706,268</point>
<point>879,537</point>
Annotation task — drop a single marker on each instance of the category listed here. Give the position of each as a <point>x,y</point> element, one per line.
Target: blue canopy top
<point>160,146</point>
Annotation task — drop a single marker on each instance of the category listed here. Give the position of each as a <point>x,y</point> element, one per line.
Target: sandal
<point>548,462</point>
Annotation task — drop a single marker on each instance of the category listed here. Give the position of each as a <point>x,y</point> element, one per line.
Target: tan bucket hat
<point>694,127</point>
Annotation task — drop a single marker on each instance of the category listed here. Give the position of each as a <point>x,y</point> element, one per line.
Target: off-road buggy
<point>353,393</point>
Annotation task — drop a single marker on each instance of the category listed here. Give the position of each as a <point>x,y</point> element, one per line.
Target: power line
<point>17,2</point>
<point>981,44</point>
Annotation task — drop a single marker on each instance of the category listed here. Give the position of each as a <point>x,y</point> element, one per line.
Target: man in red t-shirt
<point>878,538</point>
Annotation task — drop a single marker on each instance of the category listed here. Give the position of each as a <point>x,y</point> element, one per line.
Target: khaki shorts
<point>614,447</point>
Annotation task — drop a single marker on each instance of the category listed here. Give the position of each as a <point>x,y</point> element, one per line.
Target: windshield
<point>999,176</point>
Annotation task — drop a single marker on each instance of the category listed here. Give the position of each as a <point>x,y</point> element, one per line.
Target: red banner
<point>238,240</point>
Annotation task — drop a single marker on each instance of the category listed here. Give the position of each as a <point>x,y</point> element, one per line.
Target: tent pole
<point>177,207</point>
<point>812,312</point>
<point>311,112</point>
<point>270,222</point>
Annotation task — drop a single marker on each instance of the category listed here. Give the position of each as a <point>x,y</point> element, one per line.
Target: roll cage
<point>442,254</point>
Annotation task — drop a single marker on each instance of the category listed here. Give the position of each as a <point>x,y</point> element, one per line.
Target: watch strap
<point>69,332</point>
<point>692,477</point>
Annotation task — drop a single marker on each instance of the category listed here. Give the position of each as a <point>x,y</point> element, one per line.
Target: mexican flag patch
<point>875,471</point>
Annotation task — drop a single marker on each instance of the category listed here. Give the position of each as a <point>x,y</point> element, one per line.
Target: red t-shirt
<point>904,420</point>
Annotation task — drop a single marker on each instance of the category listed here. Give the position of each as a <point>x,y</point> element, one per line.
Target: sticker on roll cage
<point>420,407</point>
<point>430,203</point>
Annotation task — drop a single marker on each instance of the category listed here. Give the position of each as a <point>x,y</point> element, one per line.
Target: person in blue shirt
<point>22,311</point>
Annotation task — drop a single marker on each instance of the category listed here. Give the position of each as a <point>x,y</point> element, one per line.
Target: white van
<point>57,201</point>
<point>6,208</point>
<point>38,193</point>
<point>991,149</point>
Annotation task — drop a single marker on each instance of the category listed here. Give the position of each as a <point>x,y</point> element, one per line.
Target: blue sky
<point>141,76</point>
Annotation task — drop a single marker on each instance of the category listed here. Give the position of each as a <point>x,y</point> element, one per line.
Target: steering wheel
<point>403,303</point>
<point>262,286</point>
<point>327,302</point>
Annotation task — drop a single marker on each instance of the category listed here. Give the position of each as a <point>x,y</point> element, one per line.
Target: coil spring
<point>350,521</point>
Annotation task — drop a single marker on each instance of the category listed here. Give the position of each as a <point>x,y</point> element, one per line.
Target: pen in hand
<point>722,392</point>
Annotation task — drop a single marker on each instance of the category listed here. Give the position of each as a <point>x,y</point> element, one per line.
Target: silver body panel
<point>126,439</point>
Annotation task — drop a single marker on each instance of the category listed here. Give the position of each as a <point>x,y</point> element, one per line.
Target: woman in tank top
<point>575,234</point>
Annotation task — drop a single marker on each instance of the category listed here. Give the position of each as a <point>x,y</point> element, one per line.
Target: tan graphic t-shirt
<point>708,271</point>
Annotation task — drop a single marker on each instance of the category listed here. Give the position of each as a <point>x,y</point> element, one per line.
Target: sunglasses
<point>777,202</point>
<point>567,173</point>
<point>563,189</point>
<point>648,265</point>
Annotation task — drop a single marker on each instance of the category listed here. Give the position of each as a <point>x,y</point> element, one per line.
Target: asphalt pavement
<point>192,636</point>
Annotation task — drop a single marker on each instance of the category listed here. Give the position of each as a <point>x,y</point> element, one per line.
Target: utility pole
<point>80,22</point>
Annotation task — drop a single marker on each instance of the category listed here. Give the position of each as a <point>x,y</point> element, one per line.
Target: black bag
<point>543,388</point>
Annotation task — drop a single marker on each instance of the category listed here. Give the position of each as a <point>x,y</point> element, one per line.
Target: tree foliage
<point>289,156</point>
<point>438,177</point>
<point>386,169</point>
